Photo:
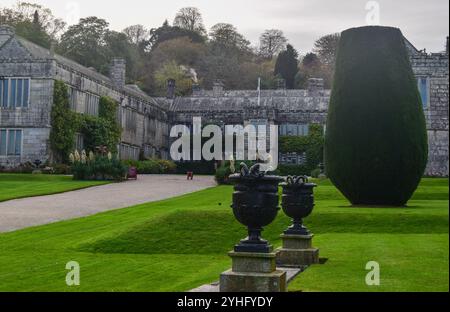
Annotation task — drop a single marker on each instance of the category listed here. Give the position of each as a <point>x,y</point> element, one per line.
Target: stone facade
<point>433,69</point>
<point>146,121</point>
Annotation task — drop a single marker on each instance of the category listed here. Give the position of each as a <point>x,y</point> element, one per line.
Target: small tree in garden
<point>376,140</point>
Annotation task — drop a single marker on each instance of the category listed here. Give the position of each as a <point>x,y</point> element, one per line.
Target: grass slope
<point>181,243</point>
<point>13,186</point>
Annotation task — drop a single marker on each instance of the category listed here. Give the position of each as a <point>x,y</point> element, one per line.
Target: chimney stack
<point>117,71</point>
<point>6,32</point>
<point>315,85</point>
<point>218,88</point>
<point>281,84</point>
<point>196,90</point>
<point>171,88</point>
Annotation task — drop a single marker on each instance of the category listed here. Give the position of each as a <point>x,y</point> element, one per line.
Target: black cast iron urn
<point>297,202</point>
<point>255,205</point>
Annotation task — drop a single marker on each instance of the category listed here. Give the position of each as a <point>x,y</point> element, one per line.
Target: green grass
<point>13,186</point>
<point>181,243</point>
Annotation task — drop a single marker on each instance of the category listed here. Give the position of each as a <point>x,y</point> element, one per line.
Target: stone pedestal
<point>297,251</point>
<point>253,272</point>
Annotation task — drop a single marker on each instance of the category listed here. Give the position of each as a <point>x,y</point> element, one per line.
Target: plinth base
<point>255,262</point>
<point>253,272</point>
<point>297,251</point>
<point>252,282</point>
<point>297,257</point>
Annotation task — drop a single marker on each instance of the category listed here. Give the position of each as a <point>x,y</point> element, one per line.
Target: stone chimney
<point>281,83</point>
<point>196,90</point>
<point>117,71</point>
<point>52,49</point>
<point>315,85</point>
<point>218,88</point>
<point>171,83</point>
<point>6,32</point>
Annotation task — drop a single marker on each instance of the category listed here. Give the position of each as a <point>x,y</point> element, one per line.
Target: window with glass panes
<point>294,129</point>
<point>10,142</point>
<point>14,92</point>
<point>424,90</point>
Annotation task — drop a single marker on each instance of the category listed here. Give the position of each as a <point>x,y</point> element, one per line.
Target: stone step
<point>291,273</point>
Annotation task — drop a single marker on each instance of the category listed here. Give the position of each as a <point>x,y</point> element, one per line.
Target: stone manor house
<point>28,71</point>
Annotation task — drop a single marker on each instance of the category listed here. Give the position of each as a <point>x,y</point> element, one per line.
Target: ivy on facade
<point>311,145</point>
<point>63,124</point>
<point>101,130</point>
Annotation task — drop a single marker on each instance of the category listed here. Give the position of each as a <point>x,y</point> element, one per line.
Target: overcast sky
<point>424,22</point>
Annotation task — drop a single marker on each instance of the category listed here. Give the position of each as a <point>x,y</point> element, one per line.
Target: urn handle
<point>297,180</point>
<point>254,170</point>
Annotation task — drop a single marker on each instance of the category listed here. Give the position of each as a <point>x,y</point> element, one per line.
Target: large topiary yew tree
<point>376,141</point>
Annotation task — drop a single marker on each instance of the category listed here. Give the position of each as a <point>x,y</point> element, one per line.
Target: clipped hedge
<point>198,167</point>
<point>152,166</point>
<point>376,140</point>
<point>286,169</point>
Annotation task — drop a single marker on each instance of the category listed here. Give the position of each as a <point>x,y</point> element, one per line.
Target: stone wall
<point>135,112</point>
<point>239,106</point>
<point>34,120</point>
<point>434,67</point>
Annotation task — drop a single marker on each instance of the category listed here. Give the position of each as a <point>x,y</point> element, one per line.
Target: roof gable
<point>12,49</point>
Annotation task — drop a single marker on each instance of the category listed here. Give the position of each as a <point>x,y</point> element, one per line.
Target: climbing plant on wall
<point>63,125</point>
<point>312,145</point>
<point>101,130</point>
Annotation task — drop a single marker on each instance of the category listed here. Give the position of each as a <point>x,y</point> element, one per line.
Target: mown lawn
<point>181,243</point>
<point>14,186</point>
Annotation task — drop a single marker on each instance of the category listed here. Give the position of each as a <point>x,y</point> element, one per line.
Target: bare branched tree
<point>227,35</point>
<point>191,19</point>
<point>136,34</point>
<point>326,47</point>
<point>271,42</point>
<point>27,12</point>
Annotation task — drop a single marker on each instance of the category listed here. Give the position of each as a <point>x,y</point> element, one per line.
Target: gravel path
<point>21,213</point>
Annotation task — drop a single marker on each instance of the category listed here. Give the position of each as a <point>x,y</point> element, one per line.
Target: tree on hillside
<point>190,18</point>
<point>181,50</point>
<point>310,60</point>
<point>326,48</point>
<point>227,35</point>
<point>271,42</point>
<point>287,66</point>
<point>117,45</point>
<point>85,42</point>
<point>172,70</point>
<point>33,22</point>
<point>137,34</point>
<point>310,67</point>
<point>167,32</point>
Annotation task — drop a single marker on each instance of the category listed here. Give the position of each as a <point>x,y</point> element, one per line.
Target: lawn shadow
<point>216,232</point>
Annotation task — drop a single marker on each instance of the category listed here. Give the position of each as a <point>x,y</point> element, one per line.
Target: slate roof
<point>36,52</point>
